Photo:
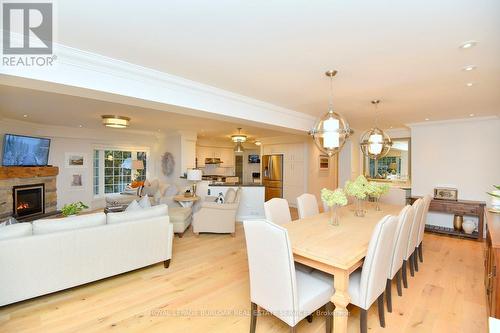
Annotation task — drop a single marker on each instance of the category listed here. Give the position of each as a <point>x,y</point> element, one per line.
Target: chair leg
<point>388,294</point>
<point>293,329</point>
<point>421,252</point>
<point>329,317</point>
<point>415,259</point>
<point>404,271</point>
<point>363,321</point>
<point>309,318</point>
<point>412,268</point>
<point>166,263</point>
<point>381,315</point>
<point>253,318</point>
<point>398,283</point>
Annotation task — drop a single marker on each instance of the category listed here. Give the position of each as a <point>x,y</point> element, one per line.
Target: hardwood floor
<point>206,289</point>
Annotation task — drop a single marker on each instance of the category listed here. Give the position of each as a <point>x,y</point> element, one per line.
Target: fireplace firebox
<point>29,200</point>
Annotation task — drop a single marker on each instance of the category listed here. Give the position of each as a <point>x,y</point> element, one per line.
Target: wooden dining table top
<point>341,246</point>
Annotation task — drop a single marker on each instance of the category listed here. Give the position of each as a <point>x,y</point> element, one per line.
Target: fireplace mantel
<point>28,172</point>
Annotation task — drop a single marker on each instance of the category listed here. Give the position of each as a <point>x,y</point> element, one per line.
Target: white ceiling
<point>404,53</point>
<point>66,110</point>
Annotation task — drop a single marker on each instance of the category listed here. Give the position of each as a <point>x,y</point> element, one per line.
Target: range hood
<point>213,160</point>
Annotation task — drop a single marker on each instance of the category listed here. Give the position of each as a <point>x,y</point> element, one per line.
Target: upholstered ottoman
<point>181,218</point>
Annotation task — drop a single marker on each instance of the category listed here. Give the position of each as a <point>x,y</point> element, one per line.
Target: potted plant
<point>334,200</point>
<point>359,190</point>
<point>375,191</point>
<point>73,208</point>
<point>495,200</point>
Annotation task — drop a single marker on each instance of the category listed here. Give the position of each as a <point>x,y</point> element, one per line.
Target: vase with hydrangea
<point>334,200</point>
<point>375,191</point>
<point>359,190</point>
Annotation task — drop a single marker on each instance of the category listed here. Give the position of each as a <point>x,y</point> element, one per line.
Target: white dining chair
<point>307,205</point>
<point>275,284</point>
<point>367,283</point>
<point>418,206</point>
<point>401,237</point>
<point>277,211</point>
<point>395,196</point>
<point>420,251</point>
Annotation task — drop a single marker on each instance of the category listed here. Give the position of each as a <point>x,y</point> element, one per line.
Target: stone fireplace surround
<point>15,176</point>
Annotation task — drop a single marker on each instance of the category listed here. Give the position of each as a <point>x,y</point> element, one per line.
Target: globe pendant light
<point>331,131</point>
<point>375,143</point>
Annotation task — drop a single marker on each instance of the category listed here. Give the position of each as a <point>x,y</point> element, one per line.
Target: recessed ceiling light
<point>25,116</point>
<point>469,84</point>
<point>471,115</point>
<point>80,126</point>
<point>427,119</point>
<point>468,44</point>
<point>469,68</point>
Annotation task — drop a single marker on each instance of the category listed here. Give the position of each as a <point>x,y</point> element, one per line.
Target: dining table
<point>337,249</point>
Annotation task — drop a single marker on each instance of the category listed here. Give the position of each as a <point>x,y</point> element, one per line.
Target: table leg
<point>341,299</point>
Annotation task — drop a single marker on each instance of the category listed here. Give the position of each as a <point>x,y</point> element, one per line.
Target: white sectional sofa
<point>52,255</point>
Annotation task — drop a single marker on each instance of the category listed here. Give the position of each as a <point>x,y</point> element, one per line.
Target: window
<point>113,169</point>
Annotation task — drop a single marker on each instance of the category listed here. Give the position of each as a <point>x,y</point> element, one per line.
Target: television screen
<point>253,158</point>
<point>21,150</point>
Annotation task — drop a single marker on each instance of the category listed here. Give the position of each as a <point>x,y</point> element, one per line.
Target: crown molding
<point>451,121</point>
<point>93,74</point>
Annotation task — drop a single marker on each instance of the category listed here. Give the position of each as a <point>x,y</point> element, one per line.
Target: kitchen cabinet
<point>226,155</point>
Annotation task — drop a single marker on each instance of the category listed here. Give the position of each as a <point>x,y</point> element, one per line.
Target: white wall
<point>462,154</point>
<point>80,140</point>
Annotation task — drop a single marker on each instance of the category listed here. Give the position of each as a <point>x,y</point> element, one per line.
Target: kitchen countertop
<point>239,185</point>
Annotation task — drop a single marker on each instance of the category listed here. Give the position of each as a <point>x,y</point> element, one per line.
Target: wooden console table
<point>457,207</point>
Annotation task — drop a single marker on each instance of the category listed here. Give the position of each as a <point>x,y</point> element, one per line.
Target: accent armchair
<point>216,218</point>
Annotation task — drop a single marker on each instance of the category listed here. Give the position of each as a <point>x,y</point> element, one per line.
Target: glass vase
<point>360,209</point>
<point>334,215</point>
<point>377,204</point>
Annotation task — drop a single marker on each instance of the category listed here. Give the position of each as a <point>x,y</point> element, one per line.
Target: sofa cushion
<point>155,211</point>
<point>237,197</point>
<point>230,196</point>
<point>134,205</point>
<point>47,226</point>
<point>144,202</point>
<point>179,214</point>
<point>16,230</point>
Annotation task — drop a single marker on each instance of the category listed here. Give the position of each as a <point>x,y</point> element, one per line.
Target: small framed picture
<point>446,193</point>
<point>324,162</point>
<point>76,181</point>
<point>75,160</point>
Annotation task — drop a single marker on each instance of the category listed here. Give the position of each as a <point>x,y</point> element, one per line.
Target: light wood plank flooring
<point>206,290</point>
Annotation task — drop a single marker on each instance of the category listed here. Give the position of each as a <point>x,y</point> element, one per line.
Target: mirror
<point>394,167</point>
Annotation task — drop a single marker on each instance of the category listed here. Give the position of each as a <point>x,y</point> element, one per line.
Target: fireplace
<point>29,200</point>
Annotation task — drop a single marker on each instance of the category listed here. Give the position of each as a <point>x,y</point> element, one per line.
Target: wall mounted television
<point>253,158</point>
<point>20,150</point>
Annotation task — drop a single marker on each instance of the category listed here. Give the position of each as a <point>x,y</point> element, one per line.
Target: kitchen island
<point>251,202</point>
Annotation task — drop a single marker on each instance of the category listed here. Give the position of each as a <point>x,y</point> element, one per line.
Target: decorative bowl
<point>468,226</point>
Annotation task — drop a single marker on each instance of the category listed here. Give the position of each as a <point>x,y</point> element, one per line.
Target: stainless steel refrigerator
<point>272,175</point>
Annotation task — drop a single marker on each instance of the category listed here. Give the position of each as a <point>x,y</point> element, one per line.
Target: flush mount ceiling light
<point>257,143</point>
<point>332,130</point>
<point>468,44</point>
<point>469,68</point>
<point>115,121</point>
<point>375,143</point>
<point>239,137</point>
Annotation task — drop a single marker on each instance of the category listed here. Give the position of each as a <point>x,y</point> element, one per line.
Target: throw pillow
<point>144,202</point>
<point>230,196</point>
<point>134,205</point>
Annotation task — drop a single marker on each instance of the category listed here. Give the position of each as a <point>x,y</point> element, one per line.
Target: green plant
<point>376,190</point>
<point>358,188</point>
<point>496,193</point>
<point>332,198</point>
<point>73,208</point>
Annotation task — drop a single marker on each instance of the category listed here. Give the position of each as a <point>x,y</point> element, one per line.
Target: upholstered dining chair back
<point>277,211</point>
<point>377,261</point>
<point>405,220</point>
<point>418,207</point>
<point>427,202</point>
<point>273,284</point>
<point>307,205</point>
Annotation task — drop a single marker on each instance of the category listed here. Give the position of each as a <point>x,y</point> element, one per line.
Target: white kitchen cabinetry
<point>226,155</point>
